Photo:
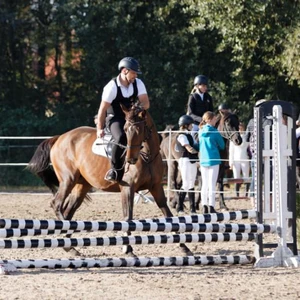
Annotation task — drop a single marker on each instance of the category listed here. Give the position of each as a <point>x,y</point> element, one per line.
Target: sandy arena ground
<point>191,282</point>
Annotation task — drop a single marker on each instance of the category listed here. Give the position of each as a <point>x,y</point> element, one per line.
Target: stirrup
<point>111,175</point>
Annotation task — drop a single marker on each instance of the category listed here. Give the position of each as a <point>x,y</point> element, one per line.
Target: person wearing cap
<point>125,89</point>
<point>187,162</point>
<point>200,101</point>
<point>223,108</point>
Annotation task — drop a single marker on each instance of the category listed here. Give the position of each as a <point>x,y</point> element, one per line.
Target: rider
<point>187,161</point>
<point>125,88</point>
<point>199,101</point>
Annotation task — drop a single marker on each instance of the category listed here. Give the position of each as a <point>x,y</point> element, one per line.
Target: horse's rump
<point>72,157</point>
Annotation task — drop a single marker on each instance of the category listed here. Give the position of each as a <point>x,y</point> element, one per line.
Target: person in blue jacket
<point>210,143</point>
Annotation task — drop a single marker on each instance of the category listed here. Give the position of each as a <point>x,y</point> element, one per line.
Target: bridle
<point>134,123</point>
<point>227,131</point>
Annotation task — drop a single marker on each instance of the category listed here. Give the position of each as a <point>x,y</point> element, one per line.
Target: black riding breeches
<point>116,127</point>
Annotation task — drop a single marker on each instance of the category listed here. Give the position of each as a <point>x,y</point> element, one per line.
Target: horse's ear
<point>142,114</point>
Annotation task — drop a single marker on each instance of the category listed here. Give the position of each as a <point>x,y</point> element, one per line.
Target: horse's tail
<point>40,164</point>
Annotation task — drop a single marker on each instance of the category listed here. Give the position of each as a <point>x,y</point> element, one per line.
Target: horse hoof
<point>129,251</point>
<point>73,251</point>
<point>131,254</point>
<point>186,250</point>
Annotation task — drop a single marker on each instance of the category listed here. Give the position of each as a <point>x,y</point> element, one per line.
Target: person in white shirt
<point>125,89</point>
<point>239,160</point>
<point>187,162</point>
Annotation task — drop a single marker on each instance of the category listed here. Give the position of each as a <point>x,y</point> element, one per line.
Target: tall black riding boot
<point>237,189</point>
<point>180,201</point>
<point>191,195</point>
<point>117,161</point>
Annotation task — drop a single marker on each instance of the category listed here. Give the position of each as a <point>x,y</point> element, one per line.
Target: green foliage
<point>247,48</point>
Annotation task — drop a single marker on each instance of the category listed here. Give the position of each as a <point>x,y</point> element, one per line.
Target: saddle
<point>103,146</point>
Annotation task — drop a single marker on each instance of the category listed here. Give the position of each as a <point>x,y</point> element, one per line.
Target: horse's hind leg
<point>65,211</point>
<point>57,202</point>
<point>73,202</point>
<point>75,199</point>
<point>161,201</point>
<point>198,194</point>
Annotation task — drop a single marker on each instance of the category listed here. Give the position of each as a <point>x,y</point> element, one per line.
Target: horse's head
<point>228,125</point>
<point>135,131</point>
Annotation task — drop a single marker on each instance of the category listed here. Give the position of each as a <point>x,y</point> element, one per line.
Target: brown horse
<point>76,168</point>
<point>228,125</point>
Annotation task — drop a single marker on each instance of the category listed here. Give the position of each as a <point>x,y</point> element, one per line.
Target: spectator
<point>239,159</point>
<point>187,162</point>
<point>209,146</point>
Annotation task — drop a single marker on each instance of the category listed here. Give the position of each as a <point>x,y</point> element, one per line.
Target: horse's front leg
<point>158,194</point>
<point>127,197</point>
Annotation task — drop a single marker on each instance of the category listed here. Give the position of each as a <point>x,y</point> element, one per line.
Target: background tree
<point>57,56</point>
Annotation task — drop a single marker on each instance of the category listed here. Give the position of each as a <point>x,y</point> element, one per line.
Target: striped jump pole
<point>127,240</point>
<point>207,218</point>
<point>149,227</point>
<point>126,262</point>
<point>90,225</point>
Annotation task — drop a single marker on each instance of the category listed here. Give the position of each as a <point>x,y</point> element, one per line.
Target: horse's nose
<point>132,161</point>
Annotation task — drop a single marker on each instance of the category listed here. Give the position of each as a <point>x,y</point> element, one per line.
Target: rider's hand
<point>100,133</point>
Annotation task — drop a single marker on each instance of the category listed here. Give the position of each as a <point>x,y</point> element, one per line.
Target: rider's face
<point>202,88</point>
<point>131,75</point>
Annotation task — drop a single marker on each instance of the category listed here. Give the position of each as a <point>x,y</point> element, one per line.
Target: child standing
<point>187,162</point>
<point>210,142</point>
<point>239,159</point>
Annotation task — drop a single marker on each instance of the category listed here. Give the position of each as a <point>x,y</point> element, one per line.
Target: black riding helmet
<point>129,63</point>
<point>223,106</point>
<point>201,79</point>
<point>185,120</point>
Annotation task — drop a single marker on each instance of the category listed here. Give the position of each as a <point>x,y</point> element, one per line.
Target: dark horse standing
<point>228,125</point>
<point>76,168</point>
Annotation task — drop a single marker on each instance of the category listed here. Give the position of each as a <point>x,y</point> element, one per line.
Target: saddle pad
<point>100,146</point>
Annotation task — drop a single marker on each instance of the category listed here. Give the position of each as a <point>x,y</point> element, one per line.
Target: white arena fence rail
<point>141,194</point>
